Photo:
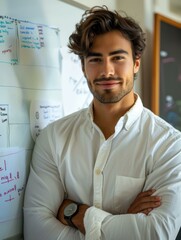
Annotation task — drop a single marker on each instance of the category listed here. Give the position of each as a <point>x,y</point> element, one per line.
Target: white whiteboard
<point>32,76</point>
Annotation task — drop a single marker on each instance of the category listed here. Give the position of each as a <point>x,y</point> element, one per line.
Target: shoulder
<point>158,128</point>
<point>66,123</point>
<point>56,134</point>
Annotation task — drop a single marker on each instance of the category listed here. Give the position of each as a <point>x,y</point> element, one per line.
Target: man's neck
<point>106,116</point>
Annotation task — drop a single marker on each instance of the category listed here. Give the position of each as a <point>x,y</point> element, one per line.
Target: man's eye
<point>117,58</point>
<point>95,60</point>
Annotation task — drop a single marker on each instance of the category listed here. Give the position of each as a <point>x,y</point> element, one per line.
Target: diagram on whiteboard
<point>75,94</point>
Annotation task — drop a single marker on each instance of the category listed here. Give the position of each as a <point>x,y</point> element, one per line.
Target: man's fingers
<point>146,205</point>
<point>146,193</point>
<point>145,202</point>
<point>149,199</point>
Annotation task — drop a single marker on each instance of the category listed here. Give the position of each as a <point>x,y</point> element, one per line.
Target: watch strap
<point>69,221</point>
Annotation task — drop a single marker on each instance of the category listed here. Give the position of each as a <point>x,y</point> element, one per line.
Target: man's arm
<point>143,203</point>
<point>44,193</point>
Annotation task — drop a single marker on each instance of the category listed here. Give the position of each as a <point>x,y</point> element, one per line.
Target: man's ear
<point>137,65</point>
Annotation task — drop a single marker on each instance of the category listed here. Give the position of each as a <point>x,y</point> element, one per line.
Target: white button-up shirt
<point>73,159</point>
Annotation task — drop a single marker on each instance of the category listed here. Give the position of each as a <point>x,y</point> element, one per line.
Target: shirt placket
<point>100,163</point>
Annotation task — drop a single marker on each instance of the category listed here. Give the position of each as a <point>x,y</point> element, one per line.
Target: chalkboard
<point>166,91</point>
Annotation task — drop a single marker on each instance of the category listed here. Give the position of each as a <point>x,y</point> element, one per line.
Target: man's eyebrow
<point>118,52</point>
<point>96,54</point>
<point>93,54</point>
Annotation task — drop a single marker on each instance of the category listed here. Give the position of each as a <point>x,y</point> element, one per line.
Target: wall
<point>112,4</point>
<point>170,8</point>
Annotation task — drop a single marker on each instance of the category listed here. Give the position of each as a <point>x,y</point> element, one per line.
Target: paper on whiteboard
<point>4,125</point>
<point>12,182</point>
<point>42,113</point>
<point>8,41</point>
<point>39,45</point>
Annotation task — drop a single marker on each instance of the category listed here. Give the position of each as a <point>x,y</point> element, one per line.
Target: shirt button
<point>98,171</point>
<point>97,205</point>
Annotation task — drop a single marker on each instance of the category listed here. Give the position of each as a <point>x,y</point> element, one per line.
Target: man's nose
<point>107,68</point>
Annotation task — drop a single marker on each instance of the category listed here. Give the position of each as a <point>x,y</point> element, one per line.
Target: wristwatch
<point>70,211</point>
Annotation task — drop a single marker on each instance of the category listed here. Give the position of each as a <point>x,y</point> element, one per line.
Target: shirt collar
<point>90,111</point>
<point>130,116</point>
<point>134,113</point>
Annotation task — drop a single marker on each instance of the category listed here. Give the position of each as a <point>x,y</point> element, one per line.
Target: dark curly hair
<point>100,20</point>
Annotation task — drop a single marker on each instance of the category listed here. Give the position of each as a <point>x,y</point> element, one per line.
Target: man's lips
<point>108,83</point>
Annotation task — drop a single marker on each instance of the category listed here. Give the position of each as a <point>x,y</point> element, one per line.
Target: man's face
<point>109,67</point>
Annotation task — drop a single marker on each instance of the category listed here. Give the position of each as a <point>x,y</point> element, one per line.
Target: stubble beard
<point>108,96</point>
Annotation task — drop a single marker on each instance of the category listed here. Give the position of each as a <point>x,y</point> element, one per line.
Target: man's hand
<point>145,203</point>
<point>78,219</point>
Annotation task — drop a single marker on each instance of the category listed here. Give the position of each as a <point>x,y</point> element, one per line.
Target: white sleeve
<point>43,197</point>
<point>93,221</point>
<point>163,223</point>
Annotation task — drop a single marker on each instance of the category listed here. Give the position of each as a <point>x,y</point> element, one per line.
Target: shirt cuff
<point>92,221</point>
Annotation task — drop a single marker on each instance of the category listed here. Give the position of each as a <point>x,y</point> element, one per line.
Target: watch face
<point>70,209</point>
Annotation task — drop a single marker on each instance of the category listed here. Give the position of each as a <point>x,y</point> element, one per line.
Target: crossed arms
<point>145,202</point>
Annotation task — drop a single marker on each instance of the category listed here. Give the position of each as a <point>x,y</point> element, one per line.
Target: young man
<point>112,171</point>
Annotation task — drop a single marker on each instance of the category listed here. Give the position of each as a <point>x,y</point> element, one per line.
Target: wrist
<point>78,219</point>
<point>71,210</point>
